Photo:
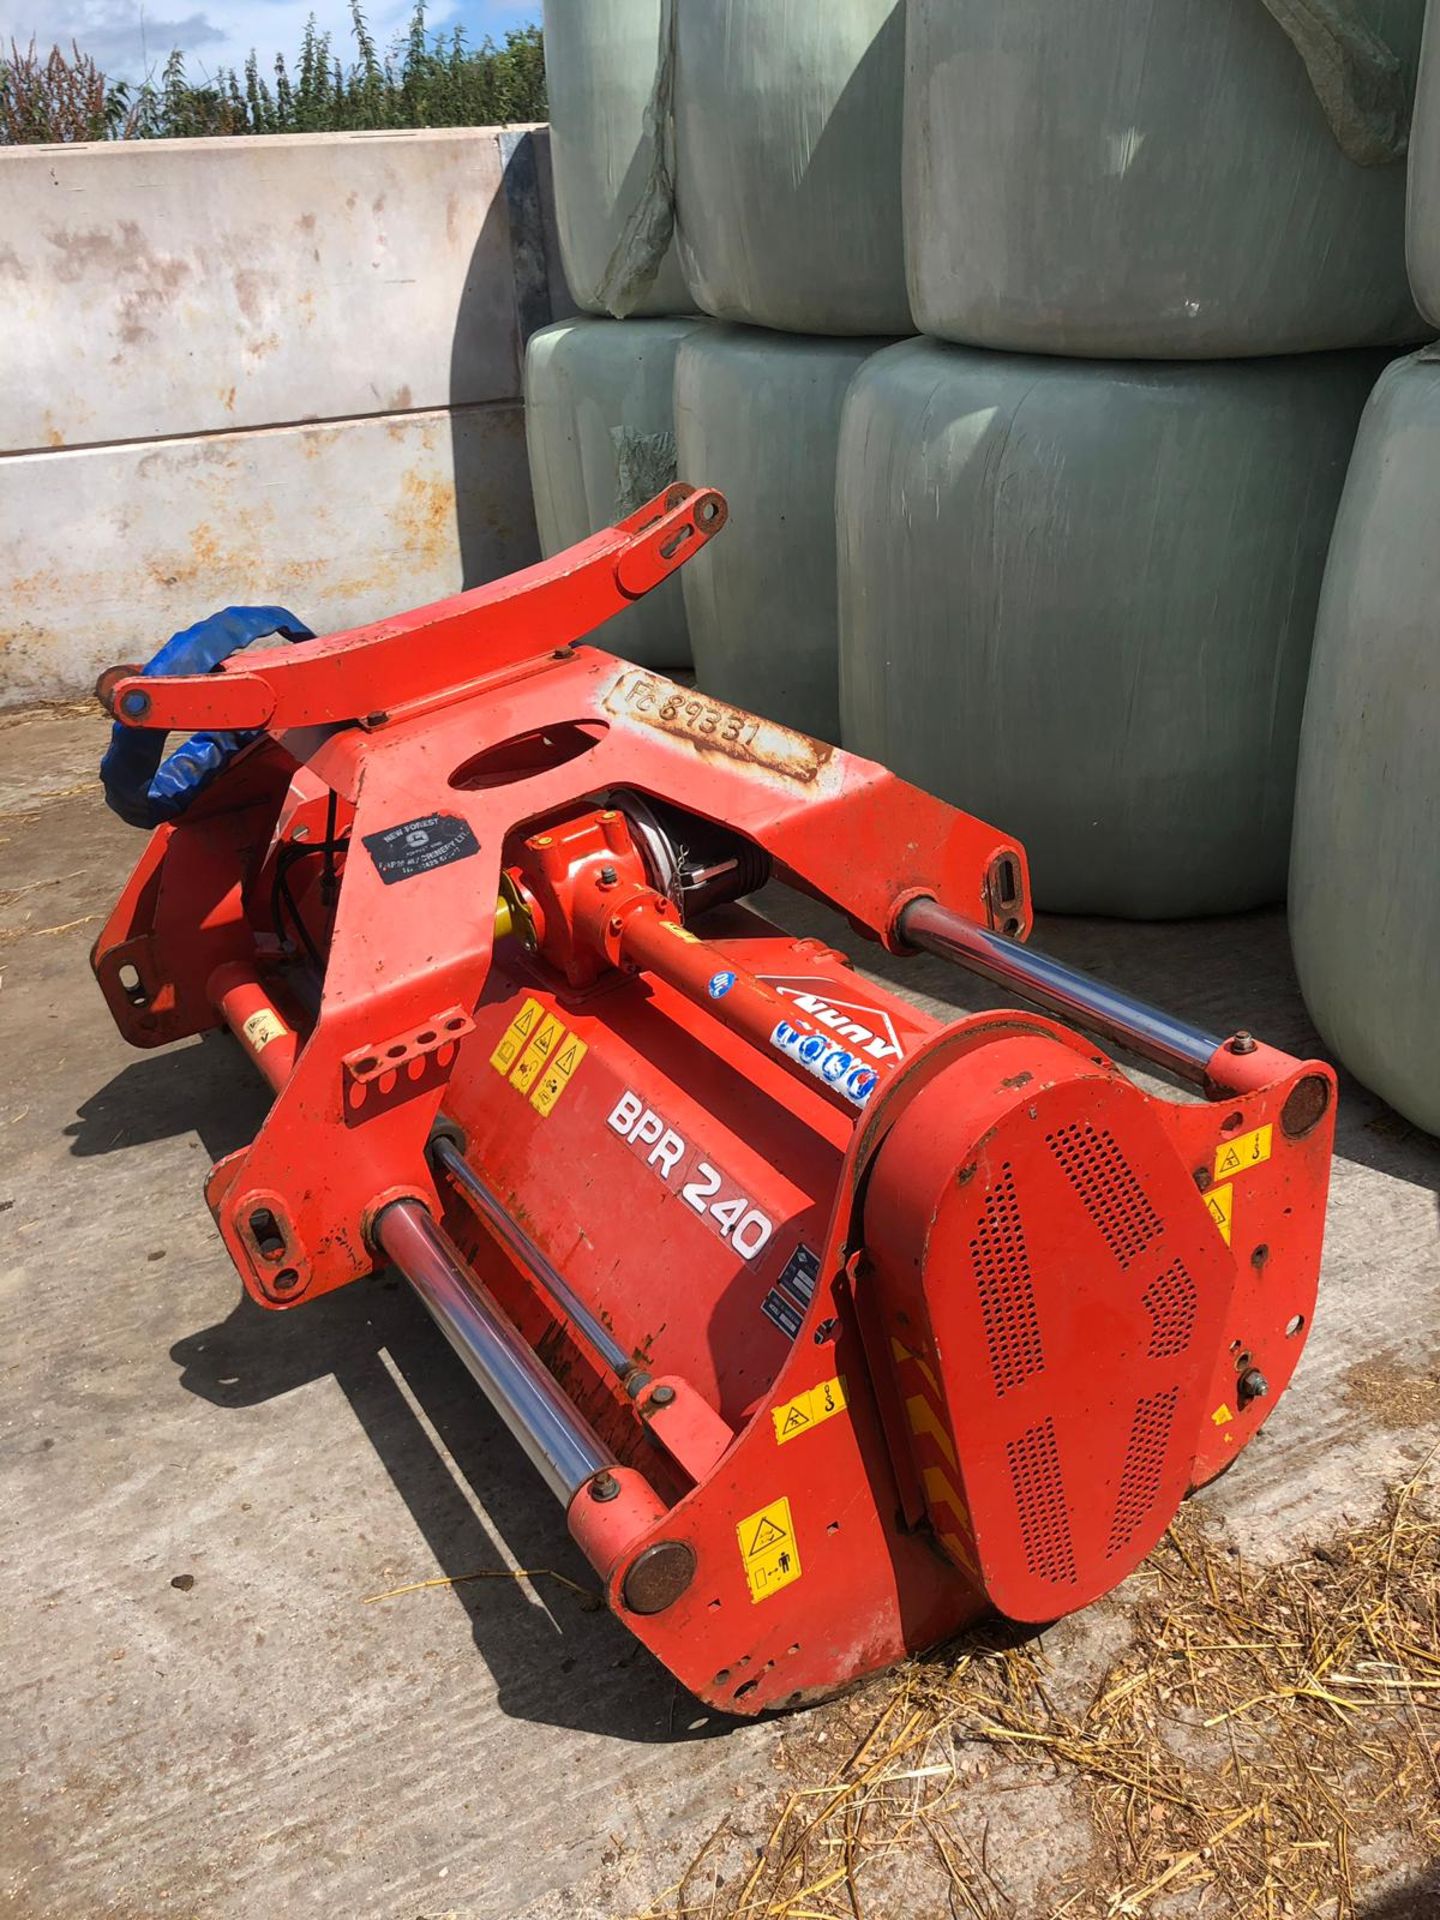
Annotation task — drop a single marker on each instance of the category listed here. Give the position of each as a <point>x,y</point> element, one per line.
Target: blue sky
<point>122,34</point>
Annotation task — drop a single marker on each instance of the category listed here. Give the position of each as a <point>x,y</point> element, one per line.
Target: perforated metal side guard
<point>1054,1303</point>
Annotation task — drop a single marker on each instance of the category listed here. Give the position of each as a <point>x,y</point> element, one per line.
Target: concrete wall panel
<point>175,286</point>
<point>107,551</point>
<point>260,370</point>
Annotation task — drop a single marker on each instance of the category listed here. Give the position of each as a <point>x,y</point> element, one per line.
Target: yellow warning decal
<point>263,1027</point>
<point>807,1410</point>
<point>681,933</point>
<point>535,1040</point>
<point>516,1034</point>
<point>543,1042</point>
<point>1222,1415</point>
<point>557,1076</point>
<point>767,1549</point>
<point>1248,1150</point>
<point>1220,1201</point>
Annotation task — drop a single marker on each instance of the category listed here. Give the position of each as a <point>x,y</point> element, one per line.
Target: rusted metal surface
<point>645,699</point>
<point>348,520</point>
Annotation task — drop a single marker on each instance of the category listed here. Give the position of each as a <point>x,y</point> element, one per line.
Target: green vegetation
<point>425,81</point>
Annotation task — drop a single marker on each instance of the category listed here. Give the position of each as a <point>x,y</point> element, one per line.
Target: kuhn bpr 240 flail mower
<point>830,1325</point>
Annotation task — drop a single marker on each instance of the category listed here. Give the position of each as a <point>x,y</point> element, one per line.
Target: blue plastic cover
<point>141,786</point>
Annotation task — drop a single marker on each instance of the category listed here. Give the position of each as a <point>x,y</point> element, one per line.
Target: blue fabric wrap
<point>140,786</point>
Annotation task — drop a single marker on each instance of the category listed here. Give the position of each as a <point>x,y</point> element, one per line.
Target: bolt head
<point>135,705</point>
<point>1243,1042</point>
<point>662,1397</point>
<point>1253,1386</point>
<point>604,1486</point>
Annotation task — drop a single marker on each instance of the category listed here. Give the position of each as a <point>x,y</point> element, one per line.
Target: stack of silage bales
<point>1365,878</point>
<point>1068,573</point>
<point>1078,593</point>
<point>768,133</point>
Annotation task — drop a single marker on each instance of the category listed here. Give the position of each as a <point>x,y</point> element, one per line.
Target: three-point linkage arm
<point>437,651</point>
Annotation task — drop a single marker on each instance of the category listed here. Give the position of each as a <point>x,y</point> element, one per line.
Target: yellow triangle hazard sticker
<point>1220,1204</point>
<point>768,1550</point>
<point>766,1535</point>
<point>515,1036</point>
<point>558,1073</point>
<point>1249,1150</point>
<point>542,1044</point>
<point>808,1409</point>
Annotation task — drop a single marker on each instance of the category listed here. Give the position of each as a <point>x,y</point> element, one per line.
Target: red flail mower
<point>831,1325</point>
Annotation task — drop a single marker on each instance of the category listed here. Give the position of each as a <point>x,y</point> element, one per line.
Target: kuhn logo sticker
<point>867,1030</point>
<point>835,1065</point>
<point>720,985</point>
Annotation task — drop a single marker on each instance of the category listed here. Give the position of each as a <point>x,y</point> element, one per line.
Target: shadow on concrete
<point>201,1087</point>
<point>569,1663</point>
<point>1420,1900</point>
<point>519,224</point>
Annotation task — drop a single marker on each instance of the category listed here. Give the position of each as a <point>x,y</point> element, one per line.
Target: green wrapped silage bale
<point>609,146</point>
<point>600,429</point>
<point>1077,598</point>
<point>1423,225</point>
<point>757,414</point>
<point>787,162</point>
<point>1159,178</point>
<point>1365,877</point>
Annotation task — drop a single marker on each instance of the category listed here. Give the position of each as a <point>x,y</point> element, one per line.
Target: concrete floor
<point>201,1714</point>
